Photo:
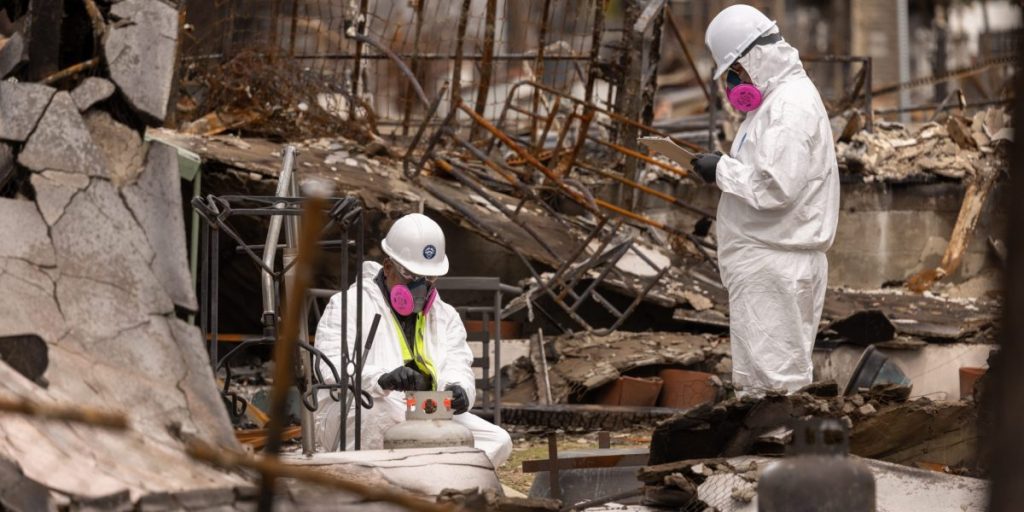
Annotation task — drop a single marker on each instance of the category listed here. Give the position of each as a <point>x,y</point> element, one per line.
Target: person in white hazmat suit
<point>779,205</point>
<point>420,343</point>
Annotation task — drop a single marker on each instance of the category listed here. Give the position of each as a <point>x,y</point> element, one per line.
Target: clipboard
<point>668,148</point>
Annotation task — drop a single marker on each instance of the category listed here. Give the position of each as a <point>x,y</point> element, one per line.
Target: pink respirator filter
<point>745,97</point>
<point>402,300</point>
<point>404,303</point>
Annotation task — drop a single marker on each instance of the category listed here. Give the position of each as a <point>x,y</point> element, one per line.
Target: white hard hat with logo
<point>732,31</point>
<point>417,244</point>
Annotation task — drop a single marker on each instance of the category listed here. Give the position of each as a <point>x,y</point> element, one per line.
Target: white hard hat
<point>732,31</point>
<point>417,244</point>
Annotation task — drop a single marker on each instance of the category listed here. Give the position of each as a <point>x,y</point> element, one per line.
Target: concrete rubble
<point>140,49</point>
<point>91,91</point>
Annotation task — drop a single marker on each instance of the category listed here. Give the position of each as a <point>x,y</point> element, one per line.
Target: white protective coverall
<point>776,218</point>
<point>445,340</point>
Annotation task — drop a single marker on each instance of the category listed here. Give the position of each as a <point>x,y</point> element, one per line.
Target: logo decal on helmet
<point>429,252</point>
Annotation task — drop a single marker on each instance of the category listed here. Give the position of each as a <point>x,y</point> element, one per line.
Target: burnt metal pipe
<point>270,249</point>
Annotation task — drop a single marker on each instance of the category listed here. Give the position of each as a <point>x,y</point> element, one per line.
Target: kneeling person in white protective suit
<point>780,202</point>
<point>420,344</point>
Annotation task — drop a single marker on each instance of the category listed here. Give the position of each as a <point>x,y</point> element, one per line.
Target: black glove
<point>460,401</point>
<point>705,165</point>
<point>404,378</point>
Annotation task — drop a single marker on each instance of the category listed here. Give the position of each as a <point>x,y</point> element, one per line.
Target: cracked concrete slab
<point>21,106</point>
<point>54,190</point>
<point>24,233</point>
<point>121,145</point>
<point>141,54</point>
<point>155,200</point>
<point>81,462</point>
<point>61,142</point>
<point>91,91</point>
<point>28,302</point>
<point>208,412</point>
<point>99,240</point>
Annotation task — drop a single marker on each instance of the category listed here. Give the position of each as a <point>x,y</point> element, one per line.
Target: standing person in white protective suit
<point>780,202</point>
<point>420,343</point>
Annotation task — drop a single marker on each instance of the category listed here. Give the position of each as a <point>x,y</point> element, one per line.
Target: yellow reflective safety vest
<point>419,355</point>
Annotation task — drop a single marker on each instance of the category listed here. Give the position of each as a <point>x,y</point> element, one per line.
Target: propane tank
<point>817,475</point>
<point>428,423</point>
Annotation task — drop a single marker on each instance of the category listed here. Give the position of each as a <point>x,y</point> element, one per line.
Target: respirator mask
<point>742,96</point>
<point>416,295</point>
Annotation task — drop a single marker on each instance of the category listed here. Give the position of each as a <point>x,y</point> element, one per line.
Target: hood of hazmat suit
<point>776,218</point>
<point>444,339</point>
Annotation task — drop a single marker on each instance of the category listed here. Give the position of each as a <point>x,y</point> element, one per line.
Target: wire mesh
<point>424,33</point>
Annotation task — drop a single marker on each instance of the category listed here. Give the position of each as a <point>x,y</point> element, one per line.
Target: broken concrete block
<point>27,301</point>
<point>141,54</point>
<point>21,106</point>
<point>13,55</point>
<point>61,142</point>
<point>24,233</point>
<point>848,408</point>
<point>92,91</point>
<point>857,400</point>
<point>98,240</point>
<point>867,410</point>
<point>54,190</point>
<point>121,145</point>
<point>155,200</point>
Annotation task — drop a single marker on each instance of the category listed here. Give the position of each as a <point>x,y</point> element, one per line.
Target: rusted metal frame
<point>360,24</point>
<point>645,189</point>
<point>534,115</point>
<point>409,171</point>
<point>595,48</point>
<point>639,218</point>
<point>402,67</point>
<point>613,115</point>
<point>486,65</point>
<point>415,64</point>
<point>457,65</point>
<point>528,193</point>
<point>611,258</point>
<point>636,302</point>
<point>470,216</point>
<point>525,155</point>
<point>454,169</point>
<point>565,164</point>
<point>538,68</point>
<point>552,114</point>
<point>674,25</point>
<point>285,347</point>
<point>640,156</point>
<point>576,196</point>
<point>593,261</point>
<point>564,131</point>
